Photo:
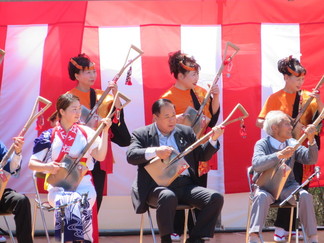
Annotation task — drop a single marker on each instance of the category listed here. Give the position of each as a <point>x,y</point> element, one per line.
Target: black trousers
<point>99,179</point>
<point>183,191</point>
<point>180,214</point>
<point>19,205</point>
<point>283,215</point>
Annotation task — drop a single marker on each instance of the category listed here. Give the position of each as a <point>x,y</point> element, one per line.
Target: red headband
<point>80,67</point>
<point>295,73</point>
<point>188,68</point>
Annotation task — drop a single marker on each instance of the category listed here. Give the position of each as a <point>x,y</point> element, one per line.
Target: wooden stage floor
<point>236,237</point>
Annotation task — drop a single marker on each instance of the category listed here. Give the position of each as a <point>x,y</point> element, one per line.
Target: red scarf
<point>66,138</point>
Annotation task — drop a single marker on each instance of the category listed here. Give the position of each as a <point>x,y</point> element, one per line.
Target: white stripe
<point>277,41</point>
<point>114,44</point>
<point>20,88</point>
<point>205,44</point>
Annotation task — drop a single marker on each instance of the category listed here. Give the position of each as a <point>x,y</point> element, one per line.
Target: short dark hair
<point>156,107</point>
<point>64,101</point>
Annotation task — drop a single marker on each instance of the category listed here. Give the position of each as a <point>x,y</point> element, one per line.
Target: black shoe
<point>195,240</point>
<point>166,239</point>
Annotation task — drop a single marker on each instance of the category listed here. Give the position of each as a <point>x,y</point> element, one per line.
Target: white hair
<point>273,118</point>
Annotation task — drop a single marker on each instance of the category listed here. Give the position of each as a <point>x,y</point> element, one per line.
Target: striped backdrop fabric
<point>40,37</point>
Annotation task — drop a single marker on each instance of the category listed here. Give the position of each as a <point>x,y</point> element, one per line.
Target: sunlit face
<point>166,120</point>
<point>293,83</point>
<point>188,80</point>
<point>87,78</point>
<point>72,114</point>
<point>283,130</point>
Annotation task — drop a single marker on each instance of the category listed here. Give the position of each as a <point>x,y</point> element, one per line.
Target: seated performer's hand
<point>181,118</point>
<point>218,131</point>
<point>18,144</point>
<point>163,152</point>
<point>52,167</point>
<point>310,131</point>
<point>286,153</point>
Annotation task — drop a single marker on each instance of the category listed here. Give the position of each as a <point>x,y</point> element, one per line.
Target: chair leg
<point>185,227</point>
<point>290,223</point>
<point>248,221</point>
<point>193,215</point>
<point>151,225</point>
<point>141,229</point>
<point>34,219</point>
<point>44,223</point>
<point>9,230</point>
<point>304,234</point>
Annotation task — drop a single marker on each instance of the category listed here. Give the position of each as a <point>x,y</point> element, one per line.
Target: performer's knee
<point>217,199</point>
<point>22,202</point>
<point>306,197</point>
<point>168,197</point>
<point>263,197</point>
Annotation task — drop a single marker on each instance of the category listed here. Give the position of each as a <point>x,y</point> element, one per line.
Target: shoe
<point>293,235</point>
<point>195,240</point>
<point>279,235</point>
<point>175,237</point>
<point>3,239</point>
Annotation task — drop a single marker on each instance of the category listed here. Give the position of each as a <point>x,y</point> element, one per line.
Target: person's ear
<point>275,128</point>
<point>62,112</point>
<point>154,118</point>
<point>76,75</point>
<point>181,76</point>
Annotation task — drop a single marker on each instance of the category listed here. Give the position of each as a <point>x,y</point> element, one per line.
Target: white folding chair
<point>42,206</point>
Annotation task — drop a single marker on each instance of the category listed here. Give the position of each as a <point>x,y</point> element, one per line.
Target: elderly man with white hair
<point>268,152</point>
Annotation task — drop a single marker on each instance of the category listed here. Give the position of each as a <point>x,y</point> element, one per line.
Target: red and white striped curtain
<point>40,37</point>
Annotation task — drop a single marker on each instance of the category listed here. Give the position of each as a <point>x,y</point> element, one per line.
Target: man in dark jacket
<point>160,139</point>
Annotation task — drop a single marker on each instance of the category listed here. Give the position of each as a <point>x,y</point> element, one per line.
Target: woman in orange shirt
<point>82,70</point>
<point>184,93</point>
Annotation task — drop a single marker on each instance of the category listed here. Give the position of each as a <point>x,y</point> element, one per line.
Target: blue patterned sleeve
<point>43,141</point>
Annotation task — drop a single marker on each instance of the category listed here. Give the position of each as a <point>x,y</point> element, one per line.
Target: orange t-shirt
<point>182,99</point>
<point>85,100</point>
<point>284,101</point>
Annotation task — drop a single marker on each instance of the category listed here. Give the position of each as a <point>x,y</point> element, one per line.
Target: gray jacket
<point>264,157</point>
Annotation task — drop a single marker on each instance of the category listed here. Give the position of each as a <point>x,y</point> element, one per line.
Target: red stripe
<point>3,34</point>
<point>197,12</point>
<point>42,12</point>
<point>62,43</point>
<point>190,12</point>
<point>312,59</point>
<point>156,74</point>
<point>243,86</point>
